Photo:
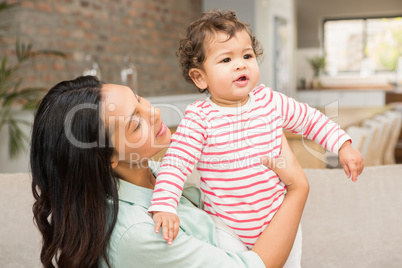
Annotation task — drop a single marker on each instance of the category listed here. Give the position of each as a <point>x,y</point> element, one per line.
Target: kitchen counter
<point>374,97</point>
<point>387,88</point>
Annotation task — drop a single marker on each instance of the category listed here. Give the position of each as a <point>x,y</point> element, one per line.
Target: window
<point>362,44</point>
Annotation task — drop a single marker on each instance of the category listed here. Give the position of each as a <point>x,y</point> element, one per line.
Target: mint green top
<point>134,242</point>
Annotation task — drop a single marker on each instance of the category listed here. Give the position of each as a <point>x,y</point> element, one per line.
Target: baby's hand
<point>170,225</point>
<point>351,160</point>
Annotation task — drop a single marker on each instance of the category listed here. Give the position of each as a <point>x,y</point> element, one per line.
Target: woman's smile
<point>162,130</point>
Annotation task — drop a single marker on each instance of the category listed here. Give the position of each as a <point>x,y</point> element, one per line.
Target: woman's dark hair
<point>191,52</point>
<point>75,191</point>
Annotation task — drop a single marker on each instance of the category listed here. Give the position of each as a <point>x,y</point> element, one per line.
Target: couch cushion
<point>345,224</point>
<point>354,225</point>
<point>19,238</point>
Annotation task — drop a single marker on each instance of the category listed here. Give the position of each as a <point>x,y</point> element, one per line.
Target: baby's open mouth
<point>242,78</point>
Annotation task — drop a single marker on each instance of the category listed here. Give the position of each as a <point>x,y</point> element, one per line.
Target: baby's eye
<point>226,60</point>
<point>247,56</point>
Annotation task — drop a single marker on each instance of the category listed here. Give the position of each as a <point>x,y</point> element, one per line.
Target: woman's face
<point>136,128</point>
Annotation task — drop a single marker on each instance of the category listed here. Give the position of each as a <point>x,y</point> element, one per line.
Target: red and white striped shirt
<point>225,144</point>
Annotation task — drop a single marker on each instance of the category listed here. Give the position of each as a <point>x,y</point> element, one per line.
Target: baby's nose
<point>240,65</point>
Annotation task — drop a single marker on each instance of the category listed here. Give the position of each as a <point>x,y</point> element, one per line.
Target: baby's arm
<point>314,125</point>
<point>177,164</point>
<point>304,120</point>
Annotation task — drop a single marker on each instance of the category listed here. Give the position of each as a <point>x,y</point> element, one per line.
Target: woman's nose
<point>155,114</point>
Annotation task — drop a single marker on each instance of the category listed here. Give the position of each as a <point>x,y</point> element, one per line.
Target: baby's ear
<point>198,77</point>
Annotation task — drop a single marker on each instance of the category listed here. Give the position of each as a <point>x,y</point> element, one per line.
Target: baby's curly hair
<point>191,52</point>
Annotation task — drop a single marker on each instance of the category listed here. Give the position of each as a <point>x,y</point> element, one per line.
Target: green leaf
<point>4,116</point>
<point>17,139</point>
<point>9,84</point>
<point>25,97</point>
<point>317,64</point>
<point>23,51</point>
<point>3,63</point>
<point>5,5</point>
<point>48,52</point>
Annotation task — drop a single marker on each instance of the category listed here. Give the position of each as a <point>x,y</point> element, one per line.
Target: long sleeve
<point>134,242</point>
<point>179,161</point>
<point>141,247</point>
<point>302,119</point>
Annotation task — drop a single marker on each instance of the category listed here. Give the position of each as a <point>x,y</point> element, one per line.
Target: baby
<point>226,135</point>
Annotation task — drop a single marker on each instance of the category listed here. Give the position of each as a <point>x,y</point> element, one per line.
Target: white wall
<point>244,9</point>
<point>260,15</point>
<point>266,11</point>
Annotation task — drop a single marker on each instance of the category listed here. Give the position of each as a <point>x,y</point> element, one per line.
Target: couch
<point>345,224</point>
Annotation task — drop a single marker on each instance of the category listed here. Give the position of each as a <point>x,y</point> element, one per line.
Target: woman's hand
<point>276,241</point>
<point>170,224</point>
<point>286,166</point>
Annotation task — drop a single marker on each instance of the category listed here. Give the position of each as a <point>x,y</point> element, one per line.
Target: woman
<point>92,183</point>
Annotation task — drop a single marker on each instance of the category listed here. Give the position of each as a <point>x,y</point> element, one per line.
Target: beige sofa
<point>345,225</point>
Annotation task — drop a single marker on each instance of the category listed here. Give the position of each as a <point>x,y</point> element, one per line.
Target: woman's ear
<point>198,77</point>
<point>114,160</point>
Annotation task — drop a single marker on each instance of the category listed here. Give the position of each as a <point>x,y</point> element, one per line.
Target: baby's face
<point>230,69</point>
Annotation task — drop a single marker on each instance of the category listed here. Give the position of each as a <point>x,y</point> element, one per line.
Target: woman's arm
<point>275,243</point>
<point>139,245</point>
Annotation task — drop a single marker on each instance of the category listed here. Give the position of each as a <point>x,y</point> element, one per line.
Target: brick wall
<point>145,31</point>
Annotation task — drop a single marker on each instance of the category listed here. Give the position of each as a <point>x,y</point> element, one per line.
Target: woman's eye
<point>226,60</point>
<point>138,124</point>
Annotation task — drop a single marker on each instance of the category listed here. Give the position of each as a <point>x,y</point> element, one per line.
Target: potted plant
<point>318,65</point>
<point>15,99</point>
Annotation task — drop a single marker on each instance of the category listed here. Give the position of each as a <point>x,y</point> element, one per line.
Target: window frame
<point>364,35</point>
